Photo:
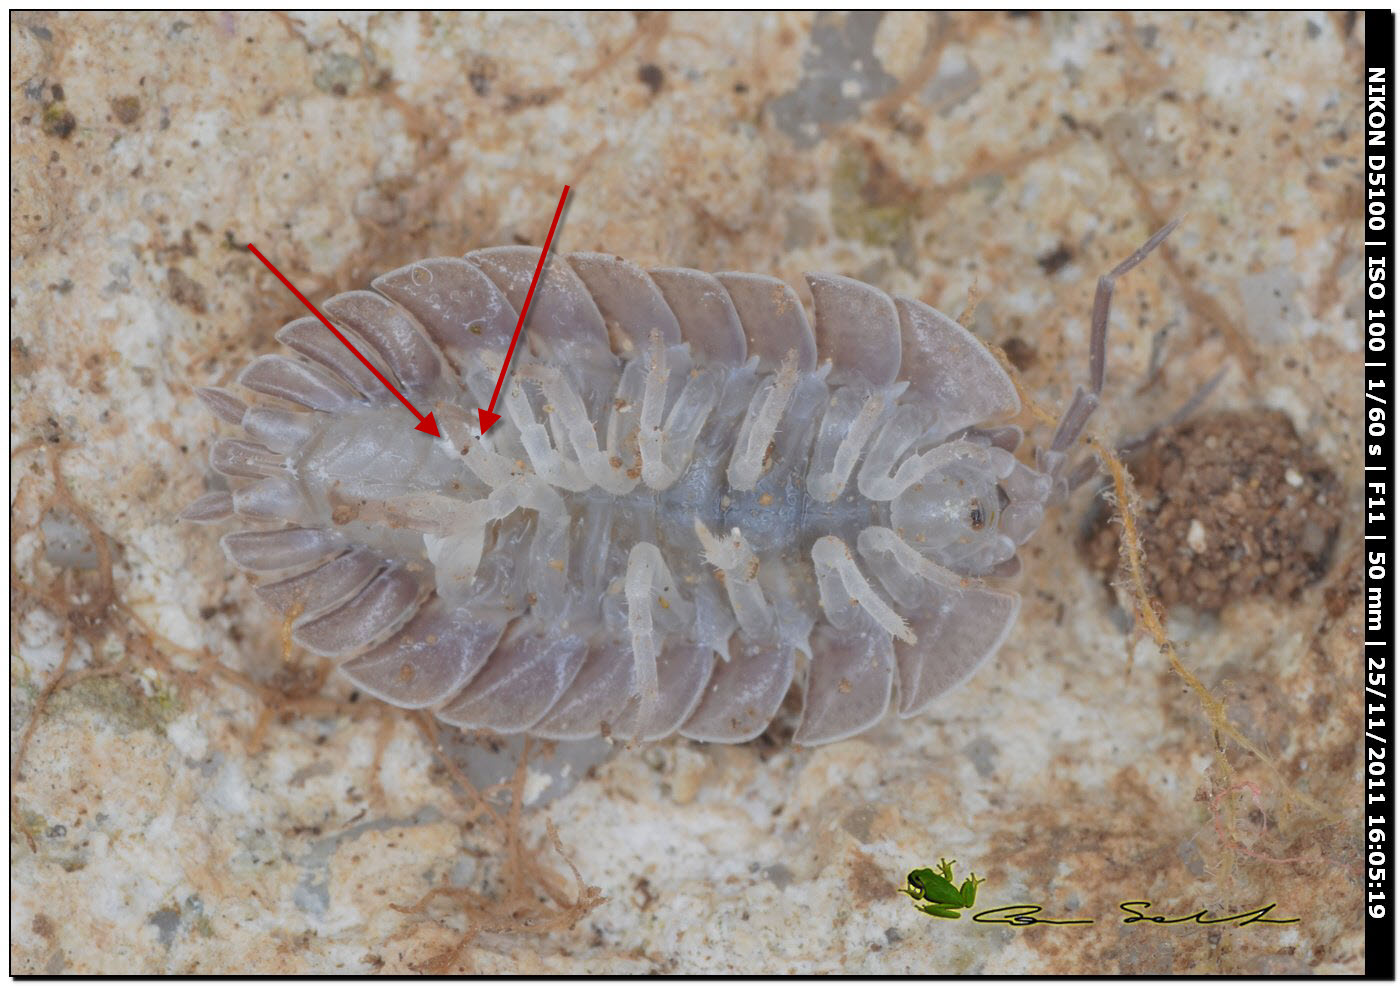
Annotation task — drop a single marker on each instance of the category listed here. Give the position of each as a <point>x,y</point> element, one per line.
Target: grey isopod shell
<point>696,496</point>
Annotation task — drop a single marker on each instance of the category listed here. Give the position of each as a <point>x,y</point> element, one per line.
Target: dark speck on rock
<point>1021,353</point>
<point>185,290</point>
<point>652,77</point>
<point>983,754</point>
<point>1054,260</point>
<point>167,922</point>
<point>59,121</point>
<point>127,109</point>
<point>778,874</point>
<point>481,74</point>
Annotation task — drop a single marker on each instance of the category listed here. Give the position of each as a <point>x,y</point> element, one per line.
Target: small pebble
<point>1196,536</point>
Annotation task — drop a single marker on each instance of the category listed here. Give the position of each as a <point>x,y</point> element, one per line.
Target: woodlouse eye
<point>978,517</point>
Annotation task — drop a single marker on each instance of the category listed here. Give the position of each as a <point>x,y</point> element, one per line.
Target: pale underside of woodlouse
<point>696,496</point>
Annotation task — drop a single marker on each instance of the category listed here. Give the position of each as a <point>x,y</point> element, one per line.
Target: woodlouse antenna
<point>1088,467</point>
<point>1086,402</point>
<point>1179,415</point>
<point>1103,300</point>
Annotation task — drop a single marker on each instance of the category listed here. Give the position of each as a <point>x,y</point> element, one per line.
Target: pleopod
<point>696,496</point>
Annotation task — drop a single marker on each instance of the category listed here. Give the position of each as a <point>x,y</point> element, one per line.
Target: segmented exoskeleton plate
<point>695,496</point>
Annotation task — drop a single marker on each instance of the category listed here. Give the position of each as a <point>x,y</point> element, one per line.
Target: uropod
<point>696,496</point>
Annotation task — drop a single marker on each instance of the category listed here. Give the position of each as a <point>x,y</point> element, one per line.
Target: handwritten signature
<point>1024,915</point>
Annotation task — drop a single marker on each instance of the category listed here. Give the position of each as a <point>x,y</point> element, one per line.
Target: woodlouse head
<point>951,516</point>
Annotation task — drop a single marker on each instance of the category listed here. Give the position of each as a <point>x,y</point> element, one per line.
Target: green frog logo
<point>940,896</point>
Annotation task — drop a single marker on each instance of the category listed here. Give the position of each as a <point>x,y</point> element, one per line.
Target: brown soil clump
<point>1233,504</point>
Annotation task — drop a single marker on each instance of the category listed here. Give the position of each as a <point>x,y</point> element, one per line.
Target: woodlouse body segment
<point>695,494</point>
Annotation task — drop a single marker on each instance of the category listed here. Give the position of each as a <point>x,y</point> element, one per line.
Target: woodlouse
<point>679,511</point>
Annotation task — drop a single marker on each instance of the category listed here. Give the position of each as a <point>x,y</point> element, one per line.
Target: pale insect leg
<point>760,426</point>
<point>648,583</point>
<point>736,560</point>
<point>829,485</point>
<point>842,587</point>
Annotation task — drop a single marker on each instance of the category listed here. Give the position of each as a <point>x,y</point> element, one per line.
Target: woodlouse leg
<point>874,541</point>
<point>900,432</point>
<point>916,467</point>
<point>828,485</point>
<point>549,462</point>
<point>683,671</point>
<point>477,453</point>
<point>843,588</point>
<point>665,448</point>
<point>648,583</point>
<point>770,402</point>
<point>843,434</point>
<point>658,470</point>
<point>570,420</point>
<point>456,541</point>
<point>736,560</point>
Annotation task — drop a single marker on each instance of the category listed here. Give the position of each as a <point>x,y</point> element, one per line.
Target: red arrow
<point>488,415</point>
<point>425,424</point>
